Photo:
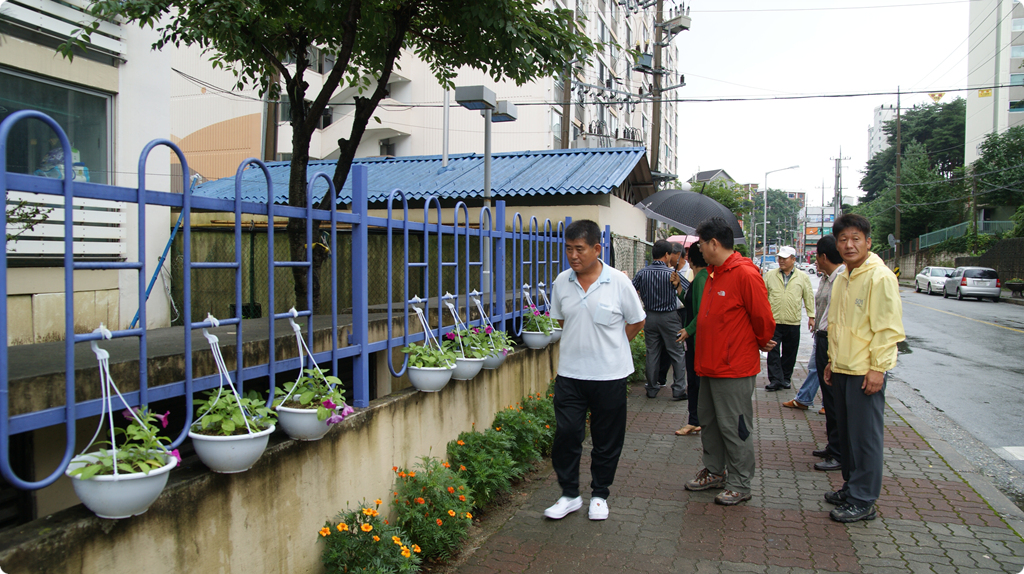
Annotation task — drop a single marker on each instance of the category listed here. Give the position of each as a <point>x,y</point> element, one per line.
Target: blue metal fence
<point>536,251</point>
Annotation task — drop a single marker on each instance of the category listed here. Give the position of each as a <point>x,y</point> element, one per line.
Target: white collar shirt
<point>594,346</point>
<point>823,298</point>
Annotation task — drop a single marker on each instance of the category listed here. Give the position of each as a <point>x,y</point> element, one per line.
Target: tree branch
<point>348,40</point>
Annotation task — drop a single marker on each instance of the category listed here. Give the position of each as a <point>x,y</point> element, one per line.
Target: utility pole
<point>567,103</point>
<point>899,156</point>
<point>656,92</point>
<point>837,200</point>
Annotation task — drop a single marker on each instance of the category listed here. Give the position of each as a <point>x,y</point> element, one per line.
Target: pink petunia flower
<point>450,336</point>
<point>347,410</point>
<point>488,330</point>
<point>127,413</point>
<point>176,455</point>
<point>334,419</point>
<point>329,404</point>
<point>164,418</point>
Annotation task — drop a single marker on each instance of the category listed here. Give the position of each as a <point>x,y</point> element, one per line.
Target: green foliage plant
<point>536,322</point>
<point>499,341</point>
<point>526,435</point>
<point>541,411</point>
<point>220,414</point>
<point>139,449</point>
<point>429,356</point>
<point>468,343</point>
<point>314,390</point>
<point>359,540</point>
<point>433,505</point>
<point>1018,220</point>
<point>638,348</point>
<point>484,460</point>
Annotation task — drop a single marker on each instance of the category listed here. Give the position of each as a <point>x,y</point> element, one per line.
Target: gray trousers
<point>660,332</point>
<point>725,409</point>
<point>861,436</point>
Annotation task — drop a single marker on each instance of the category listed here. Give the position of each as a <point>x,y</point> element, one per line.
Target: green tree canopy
<point>939,127</point>
<point>1000,169</point>
<point>783,218</point>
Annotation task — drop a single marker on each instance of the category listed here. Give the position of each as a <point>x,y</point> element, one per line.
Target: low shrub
<point>542,411</point>
<point>432,504</point>
<point>485,461</point>
<point>526,436</point>
<point>360,540</point>
<point>638,348</point>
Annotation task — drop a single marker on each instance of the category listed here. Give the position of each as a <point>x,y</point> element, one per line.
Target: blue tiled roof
<point>550,172</point>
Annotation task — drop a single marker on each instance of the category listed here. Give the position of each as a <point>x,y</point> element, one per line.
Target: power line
<point>834,8</point>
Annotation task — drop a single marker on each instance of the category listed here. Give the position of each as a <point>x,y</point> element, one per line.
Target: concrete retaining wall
<point>1005,256</point>
<point>266,519</point>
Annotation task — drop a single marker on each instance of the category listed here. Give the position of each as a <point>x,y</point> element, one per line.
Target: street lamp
<point>766,204</point>
<point>483,99</point>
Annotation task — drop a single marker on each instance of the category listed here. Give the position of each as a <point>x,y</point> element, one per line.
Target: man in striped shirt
<point>654,285</point>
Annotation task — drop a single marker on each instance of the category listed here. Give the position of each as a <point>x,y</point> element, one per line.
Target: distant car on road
<point>980,282</point>
<point>932,279</point>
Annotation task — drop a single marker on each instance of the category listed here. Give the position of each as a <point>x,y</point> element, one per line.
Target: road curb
<point>999,502</point>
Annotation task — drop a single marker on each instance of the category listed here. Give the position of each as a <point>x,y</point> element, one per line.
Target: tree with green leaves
<point>783,217</point>
<point>509,39</point>
<point>728,194</point>
<point>939,127</point>
<point>1000,169</point>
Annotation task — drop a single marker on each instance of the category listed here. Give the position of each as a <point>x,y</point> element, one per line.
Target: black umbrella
<point>686,209</point>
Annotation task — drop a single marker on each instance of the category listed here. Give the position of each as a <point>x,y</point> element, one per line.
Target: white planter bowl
<point>466,369</point>
<point>556,334</point>
<point>495,361</point>
<point>429,379</point>
<point>119,496</point>
<point>536,339</point>
<point>230,454</point>
<point>301,424</point>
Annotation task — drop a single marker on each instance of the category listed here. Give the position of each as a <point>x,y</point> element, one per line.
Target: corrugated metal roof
<point>549,172</point>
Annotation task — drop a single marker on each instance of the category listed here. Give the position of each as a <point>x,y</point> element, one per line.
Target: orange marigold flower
<point>368,511</point>
<point>343,527</point>
<point>366,527</point>
<point>498,429</point>
<point>376,538</point>
<point>462,488</point>
<point>451,513</point>
<point>451,490</point>
<point>420,501</point>
<point>547,426</point>
<point>396,540</point>
<point>394,469</point>
<point>378,501</point>
<point>462,498</point>
<point>405,552</point>
<point>460,443</point>
<point>416,548</point>
<point>446,465</point>
<point>468,515</point>
<point>412,475</point>
<point>325,531</point>
<point>439,523</point>
<point>386,521</point>
<point>401,474</point>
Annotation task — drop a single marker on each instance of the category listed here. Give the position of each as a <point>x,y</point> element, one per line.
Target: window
<point>1017,106</point>
<point>1018,24</point>
<point>981,274</point>
<point>1017,51</point>
<point>84,116</point>
<point>1017,79</point>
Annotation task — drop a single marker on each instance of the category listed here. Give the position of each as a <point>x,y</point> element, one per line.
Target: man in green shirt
<point>788,288</point>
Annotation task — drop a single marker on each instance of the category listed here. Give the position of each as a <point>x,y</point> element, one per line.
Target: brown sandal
<point>688,430</point>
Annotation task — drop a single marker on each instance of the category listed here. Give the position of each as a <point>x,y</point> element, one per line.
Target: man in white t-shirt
<point>600,313</point>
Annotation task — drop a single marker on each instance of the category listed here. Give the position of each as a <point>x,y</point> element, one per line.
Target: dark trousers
<point>666,361</point>
<point>782,358</point>
<point>861,435</point>
<point>660,332</point>
<point>606,401</point>
<point>692,381</point>
<point>827,396</point>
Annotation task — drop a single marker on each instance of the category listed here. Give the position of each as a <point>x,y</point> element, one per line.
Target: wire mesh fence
<point>630,254</point>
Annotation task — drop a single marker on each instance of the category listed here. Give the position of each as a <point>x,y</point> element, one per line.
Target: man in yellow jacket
<point>865,321</point>
<point>789,289</point>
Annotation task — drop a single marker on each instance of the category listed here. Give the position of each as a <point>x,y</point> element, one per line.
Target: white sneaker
<point>564,506</point>
<point>598,509</point>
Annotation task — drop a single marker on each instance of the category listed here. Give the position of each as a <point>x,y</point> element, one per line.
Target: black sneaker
<point>851,512</point>
<point>837,498</point>
<point>823,453</point>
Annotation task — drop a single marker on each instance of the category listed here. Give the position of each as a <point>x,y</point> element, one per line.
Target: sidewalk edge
<point>999,502</point>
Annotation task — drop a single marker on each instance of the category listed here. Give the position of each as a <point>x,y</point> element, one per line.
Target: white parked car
<point>932,279</point>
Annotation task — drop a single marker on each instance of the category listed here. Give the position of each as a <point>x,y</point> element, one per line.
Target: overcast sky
<point>779,47</point>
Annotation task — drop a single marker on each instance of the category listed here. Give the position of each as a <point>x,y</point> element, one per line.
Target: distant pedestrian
<point>600,313</point>
<point>734,323</point>
<point>788,290</point>
<point>688,334</point>
<point>677,261</point>
<point>654,284</point>
<point>865,321</point>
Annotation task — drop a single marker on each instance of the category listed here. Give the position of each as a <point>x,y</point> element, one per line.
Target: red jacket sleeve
<point>758,309</point>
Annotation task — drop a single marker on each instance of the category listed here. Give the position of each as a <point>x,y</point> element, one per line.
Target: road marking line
<point>968,318</point>
<point>1010,452</point>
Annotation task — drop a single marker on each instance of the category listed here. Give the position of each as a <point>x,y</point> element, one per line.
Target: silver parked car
<point>932,279</point>
<point>980,282</point>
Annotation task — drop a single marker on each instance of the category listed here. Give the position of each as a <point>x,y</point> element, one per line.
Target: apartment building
<point>877,140</point>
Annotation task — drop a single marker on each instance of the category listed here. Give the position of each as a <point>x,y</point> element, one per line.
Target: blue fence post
<point>565,261</point>
<point>360,288</point>
<point>607,251</point>
<point>498,305</point>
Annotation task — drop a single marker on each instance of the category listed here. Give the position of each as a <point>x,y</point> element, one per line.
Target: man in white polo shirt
<point>600,313</point>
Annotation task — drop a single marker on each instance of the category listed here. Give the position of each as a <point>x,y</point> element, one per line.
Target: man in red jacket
<point>734,323</point>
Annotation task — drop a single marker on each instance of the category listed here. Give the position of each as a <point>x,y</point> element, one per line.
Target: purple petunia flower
<point>347,410</point>
<point>329,404</point>
<point>537,313</point>
<point>164,418</point>
<point>450,336</point>
<point>488,330</point>
<point>127,413</point>
<point>334,419</point>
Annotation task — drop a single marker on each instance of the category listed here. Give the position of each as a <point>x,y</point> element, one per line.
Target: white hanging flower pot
<point>429,379</point>
<point>121,496</point>
<point>556,334</point>
<point>466,369</point>
<point>536,339</point>
<point>231,454</point>
<point>301,424</point>
<point>494,361</point>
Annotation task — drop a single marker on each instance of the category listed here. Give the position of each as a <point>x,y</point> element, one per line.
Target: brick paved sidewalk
<point>929,518</point>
